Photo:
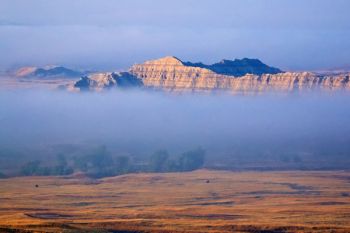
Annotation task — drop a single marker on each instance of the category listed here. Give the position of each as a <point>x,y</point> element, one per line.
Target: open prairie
<point>200,201</point>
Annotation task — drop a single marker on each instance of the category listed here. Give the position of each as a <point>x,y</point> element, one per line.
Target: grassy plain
<point>200,201</point>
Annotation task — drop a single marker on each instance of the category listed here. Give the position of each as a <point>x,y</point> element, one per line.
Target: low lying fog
<point>229,128</point>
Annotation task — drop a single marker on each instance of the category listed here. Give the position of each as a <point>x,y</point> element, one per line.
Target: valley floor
<point>200,201</point>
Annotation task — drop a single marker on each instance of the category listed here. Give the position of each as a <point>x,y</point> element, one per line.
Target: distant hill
<point>48,72</point>
<point>238,67</point>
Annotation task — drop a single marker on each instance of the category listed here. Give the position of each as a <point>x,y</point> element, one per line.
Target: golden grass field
<point>200,201</point>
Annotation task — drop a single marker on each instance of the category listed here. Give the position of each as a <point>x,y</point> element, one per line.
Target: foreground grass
<point>200,201</point>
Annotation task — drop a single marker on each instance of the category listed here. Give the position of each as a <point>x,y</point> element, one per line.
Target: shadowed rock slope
<point>238,67</point>
<point>100,81</point>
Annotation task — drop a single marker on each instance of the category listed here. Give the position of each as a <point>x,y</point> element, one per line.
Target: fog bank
<point>249,128</point>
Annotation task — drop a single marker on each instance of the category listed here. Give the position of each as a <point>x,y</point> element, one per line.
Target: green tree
<point>172,166</point>
<point>61,160</point>
<point>31,168</point>
<point>62,167</point>
<point>122,164</point>
<point>97,163</point>
<point>158,161</point>
<point>192,160</point>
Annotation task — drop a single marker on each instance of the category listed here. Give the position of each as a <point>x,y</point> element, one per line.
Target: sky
<point>114,34</point>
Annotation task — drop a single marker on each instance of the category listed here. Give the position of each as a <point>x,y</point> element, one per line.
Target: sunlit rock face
<point>25,71</point>
<point>101,81</point>
<point>238,76</point>
<point>170,73</point>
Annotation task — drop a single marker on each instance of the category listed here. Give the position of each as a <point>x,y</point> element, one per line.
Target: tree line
<point>100,163</point>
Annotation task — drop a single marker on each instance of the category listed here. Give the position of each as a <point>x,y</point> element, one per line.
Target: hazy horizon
<point>143,121</point>
<point>113,35</point>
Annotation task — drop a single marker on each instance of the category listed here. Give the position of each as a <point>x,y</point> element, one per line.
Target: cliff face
<point>101,81</point>
<point>170,73</point>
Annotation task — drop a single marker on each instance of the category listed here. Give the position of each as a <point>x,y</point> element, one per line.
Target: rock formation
<point>25,71</point>
<point>170,73</point>
<point>238,67</point>
<point>47,72</point>
<point>101,81</point>
<point>238,76</point>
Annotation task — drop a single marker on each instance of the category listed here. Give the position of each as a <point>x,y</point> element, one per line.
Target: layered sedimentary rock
<point>170,73</point>
<point>101,81</point>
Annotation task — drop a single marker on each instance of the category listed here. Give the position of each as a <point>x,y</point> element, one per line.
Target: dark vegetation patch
<point>79,197</point>
<point>264,192</point>
<point>223,203</point>
<point>345,194</point>
<point>301,189</point>
<point>41,228</point>
<point>22,209</point>
<point>82,204</point>
<point>213,216</point>
<point>281,229</point>
<point>100,163</point>
<point>14,230</point>
<point>332,203</point>
<point>124,231</point>
<point>297,186</point>
<point>35,168</point>
<point>83,228</point>
<point>297,190</point>
<point>48,215</point>
<point>342,177</point>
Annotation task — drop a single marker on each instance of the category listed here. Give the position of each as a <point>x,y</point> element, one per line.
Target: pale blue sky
<point>108,35</point>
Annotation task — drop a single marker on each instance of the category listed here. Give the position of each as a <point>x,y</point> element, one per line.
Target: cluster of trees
<point>34,168</point>
<point>188,161</point>
<point>100,163</point>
